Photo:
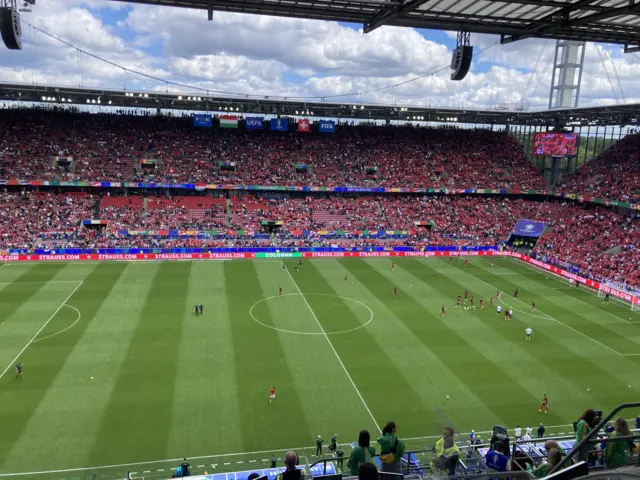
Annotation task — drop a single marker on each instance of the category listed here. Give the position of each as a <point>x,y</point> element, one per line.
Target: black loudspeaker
<point>461,62</point>
<point>10,28</point>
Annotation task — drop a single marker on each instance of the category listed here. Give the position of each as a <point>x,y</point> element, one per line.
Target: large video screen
<point>555,144</point>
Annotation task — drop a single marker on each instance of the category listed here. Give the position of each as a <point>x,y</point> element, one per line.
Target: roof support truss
<point>387,14</point>
<point>611,21</point>
<point>556,23</point>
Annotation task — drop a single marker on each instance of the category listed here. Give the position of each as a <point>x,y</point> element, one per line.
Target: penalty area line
<point>64,329</point>
<point>548,317</point>
<point>40,330</point>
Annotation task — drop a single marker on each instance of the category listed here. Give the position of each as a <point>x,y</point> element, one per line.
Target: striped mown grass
<point>343,356</point>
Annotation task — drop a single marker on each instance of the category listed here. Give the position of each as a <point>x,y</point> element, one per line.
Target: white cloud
<point>289,57</point>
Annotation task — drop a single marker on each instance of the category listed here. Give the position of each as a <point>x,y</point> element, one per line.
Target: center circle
<point>284,330</point>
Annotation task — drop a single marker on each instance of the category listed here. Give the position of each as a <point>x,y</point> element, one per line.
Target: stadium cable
<point>434,72</point>
<point>236,94</point>
<point>615,72</point>
<point>534,72</point>
<point>606,71</point>
<point>546,69</point>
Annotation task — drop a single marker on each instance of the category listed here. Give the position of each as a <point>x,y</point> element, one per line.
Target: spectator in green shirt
<point>553,459</point>
<point>617,453</point>
<point>582,430</point>
<point>361,453</point>
<point>390,443</point>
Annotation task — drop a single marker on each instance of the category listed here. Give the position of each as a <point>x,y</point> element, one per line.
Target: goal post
<point>620,300</point>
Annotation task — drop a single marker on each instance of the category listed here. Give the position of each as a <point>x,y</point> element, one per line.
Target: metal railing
<point>593,433</point>
<point>465,469</point>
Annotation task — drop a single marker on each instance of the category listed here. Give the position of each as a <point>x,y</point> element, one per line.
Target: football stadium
<point>230,258</point>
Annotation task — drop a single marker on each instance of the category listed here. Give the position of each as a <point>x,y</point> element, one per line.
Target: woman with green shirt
<point>361,453</point>
<point>391,447</point>
<point>582,431</point>
<point>617,453</point>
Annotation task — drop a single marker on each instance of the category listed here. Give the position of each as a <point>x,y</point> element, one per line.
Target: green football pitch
<point>119,373</point>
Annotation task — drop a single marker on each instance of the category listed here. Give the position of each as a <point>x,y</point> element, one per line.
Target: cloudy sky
<point>244,54</point>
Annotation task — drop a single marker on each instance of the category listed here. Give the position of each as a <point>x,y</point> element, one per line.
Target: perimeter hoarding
<point>279,255</point>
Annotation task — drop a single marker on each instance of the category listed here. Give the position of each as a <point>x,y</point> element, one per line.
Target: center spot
<point>290,313</point>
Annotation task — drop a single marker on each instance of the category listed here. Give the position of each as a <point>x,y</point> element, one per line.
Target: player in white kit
<point>499,309</point>
<point>529,332</point>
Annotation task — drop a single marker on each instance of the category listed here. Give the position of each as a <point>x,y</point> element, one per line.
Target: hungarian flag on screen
<point>228,121</point>
<point>304,125</point>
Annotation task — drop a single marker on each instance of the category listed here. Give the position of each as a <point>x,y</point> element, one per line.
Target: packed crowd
<point>581,237</point>
<point>105,147</point>
<point>600,243</point>
<point>26,216</point>
<point>614,175</point>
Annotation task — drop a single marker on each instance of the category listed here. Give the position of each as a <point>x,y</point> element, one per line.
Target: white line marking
<point>146,471</point>
<point>252,461</point>
<point>588,289</point>
<point>121,465</point>
<point>29,282</point>
<point>549,317</point>
<point>64,329</point>
<point>200,466</point>
<point>311,333</point>
<point>41,328</point>
<point>333,348</point>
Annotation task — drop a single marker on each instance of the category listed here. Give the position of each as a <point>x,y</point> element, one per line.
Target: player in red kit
<point>492,259</point>
<point>544,406</point>
<point>280,291</point>
<point>481,303</point>
<point>471,303</point>
<point>466,295</point>
<point>515,294</point>
<point>443,311</point>
<point>450,260</point>
<point>466,262</point>
<point>395,291</point>
<point>272,394</point>
<point>393,266</point>
<point>458,302</point>
<point>533,307</point>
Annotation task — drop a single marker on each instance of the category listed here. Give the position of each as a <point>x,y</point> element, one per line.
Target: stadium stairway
<point>96,208</point>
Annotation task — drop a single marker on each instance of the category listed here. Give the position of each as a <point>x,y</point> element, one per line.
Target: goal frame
<point>602,292</point>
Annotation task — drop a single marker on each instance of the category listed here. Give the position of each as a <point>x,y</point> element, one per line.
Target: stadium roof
<point>615,115</point>
<point>609,21</point>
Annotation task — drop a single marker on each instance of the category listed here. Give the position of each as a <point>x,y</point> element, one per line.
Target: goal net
<point>602,294</point>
